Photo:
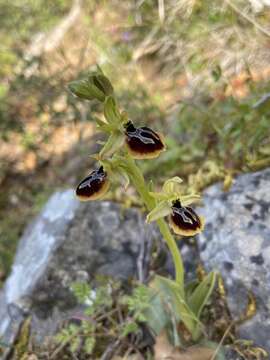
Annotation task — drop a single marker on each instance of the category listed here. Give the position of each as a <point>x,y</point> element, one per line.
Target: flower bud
<point>96,86</point>
<point>184,220</point>
<point>94,186</point>
<point>103,84</point>
<point>143,143</point>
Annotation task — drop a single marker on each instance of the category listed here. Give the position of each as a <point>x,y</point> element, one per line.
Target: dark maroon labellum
<point>93,186</point>
<point>143,142</point>
<point>184,220</point>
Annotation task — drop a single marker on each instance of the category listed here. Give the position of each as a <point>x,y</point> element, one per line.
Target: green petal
<point>189,199</point>
<point>159,196</point>
<point>161,210</point>
<point>172,185</point>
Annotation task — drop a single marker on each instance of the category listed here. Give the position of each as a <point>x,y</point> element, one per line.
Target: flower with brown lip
<point>94,186</point>
<point>184,220</point>
<point>142,142</point>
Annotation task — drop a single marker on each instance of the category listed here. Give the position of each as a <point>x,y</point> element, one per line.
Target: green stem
<point>138,181</point>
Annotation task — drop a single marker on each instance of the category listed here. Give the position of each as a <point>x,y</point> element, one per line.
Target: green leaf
<point>156,314</point>
<point>75,344</point>
<point>139,300</point>
<point>89,345</point>
<point>201,294</point>
<point>169,302</point>
<point>190,287</point>
<point>220,353</point>
<point>81,291</point>
<point>129,328</point>
<point>161,210</point>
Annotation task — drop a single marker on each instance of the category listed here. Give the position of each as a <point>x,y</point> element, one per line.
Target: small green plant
<point>171,303</point>
<point>109,317</point>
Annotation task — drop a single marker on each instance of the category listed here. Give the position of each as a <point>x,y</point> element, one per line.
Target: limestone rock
<point>69,241</point>
<point>236,242</point>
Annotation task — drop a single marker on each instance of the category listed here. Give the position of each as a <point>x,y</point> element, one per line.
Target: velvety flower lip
<point>184,220</point>
<point>143,142</point>
<point>94,186</point>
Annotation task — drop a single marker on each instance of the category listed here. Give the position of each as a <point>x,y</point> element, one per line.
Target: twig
<point>140,260</point>
<point>161,11</point>
<point>148,254</point>
<point>248,18</point>
<point>62,346</point>
<point>110,350</point>
<point>221,341</point>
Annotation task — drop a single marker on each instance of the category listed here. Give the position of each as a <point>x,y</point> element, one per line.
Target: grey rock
<point>38,243</point>
<point>69,241</point>
<point>236,242</point>
<point>231,354</point>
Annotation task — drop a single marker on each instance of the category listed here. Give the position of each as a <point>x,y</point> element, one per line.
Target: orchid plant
<point>174,302</point>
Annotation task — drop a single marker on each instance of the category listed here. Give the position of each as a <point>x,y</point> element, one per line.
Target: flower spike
<point>94,186</point>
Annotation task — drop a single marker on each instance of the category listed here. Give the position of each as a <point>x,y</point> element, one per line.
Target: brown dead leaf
<point>165,351</point>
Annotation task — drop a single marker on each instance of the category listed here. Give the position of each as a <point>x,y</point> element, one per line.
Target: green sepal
<point>114,142</point>
<point>150,186</point>
<point>103,126</point>
<point>102,83</point>
<point>111,111</point>
<point>124,175</point>
<point>161,210</point>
